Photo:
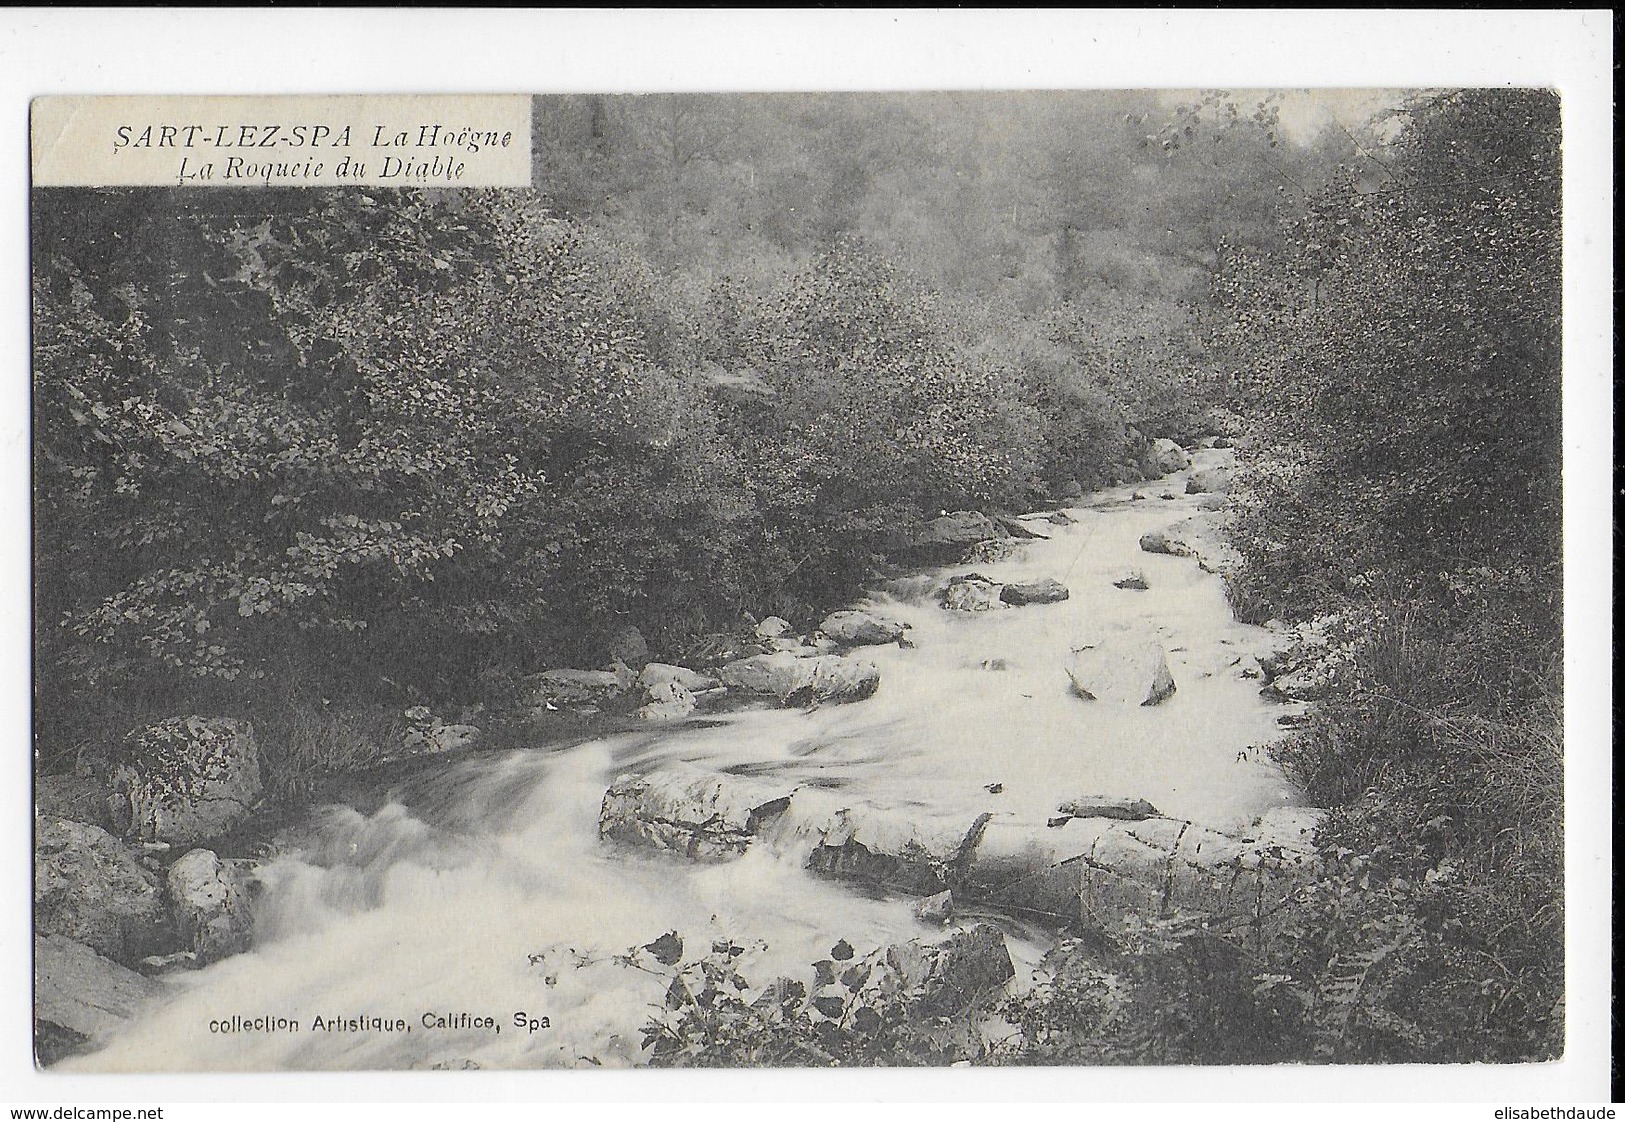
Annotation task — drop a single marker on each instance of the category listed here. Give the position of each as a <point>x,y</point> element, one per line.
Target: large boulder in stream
<point>971,592</point>
<point>666,701</point>
<point>211,899</point>
<point>1169,541</point>
<point>1046,591</point>
<point>699,814</point>
<point>944,540</point>
<point>859,629</point>
<point>657,673</point>
<point>185,779</point>
<point>803,680</point>
<point>91,888</point>
<point>1169,457</point>
<point>80,996</point>
<point>994,550</point>
<point>1017,528</point>
<point>887,849</point>
<point>1121,671</point>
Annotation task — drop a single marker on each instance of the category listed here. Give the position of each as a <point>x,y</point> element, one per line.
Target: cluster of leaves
<point>855,1012</point>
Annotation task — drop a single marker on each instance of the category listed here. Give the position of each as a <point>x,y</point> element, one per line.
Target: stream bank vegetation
<point>317,458</point>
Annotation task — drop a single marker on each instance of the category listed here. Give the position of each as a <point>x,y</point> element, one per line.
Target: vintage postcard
<point>819,579</point>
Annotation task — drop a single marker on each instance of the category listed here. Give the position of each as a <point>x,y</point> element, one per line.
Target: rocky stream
<point>1061,728</point>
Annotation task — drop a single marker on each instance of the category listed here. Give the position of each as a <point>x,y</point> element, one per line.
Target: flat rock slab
<point>1046,591</point>
<point>79,996</point>
<point>855,628</point>
<point>656,673</point>
<point>1096,871</point>
<point>569,686</point>
<point>1095,868</point>
<point>1108,806</point>
<point>1289,828</point>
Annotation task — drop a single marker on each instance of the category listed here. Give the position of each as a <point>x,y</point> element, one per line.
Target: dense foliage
<point>1403,363</point>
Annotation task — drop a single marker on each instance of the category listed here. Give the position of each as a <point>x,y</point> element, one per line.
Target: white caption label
<point>475,140</point>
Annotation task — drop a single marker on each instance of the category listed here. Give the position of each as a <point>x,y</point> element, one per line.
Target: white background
<point>178,51</point>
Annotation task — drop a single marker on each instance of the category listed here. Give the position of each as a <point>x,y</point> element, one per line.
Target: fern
<point>1352,989</point>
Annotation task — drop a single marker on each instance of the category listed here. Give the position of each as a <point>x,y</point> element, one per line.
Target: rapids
<point>483,888</point>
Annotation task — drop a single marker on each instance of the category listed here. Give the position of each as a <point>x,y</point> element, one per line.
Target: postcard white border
<point>341,51</point>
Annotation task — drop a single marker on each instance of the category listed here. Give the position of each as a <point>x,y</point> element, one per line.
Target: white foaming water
<point>485,889</point>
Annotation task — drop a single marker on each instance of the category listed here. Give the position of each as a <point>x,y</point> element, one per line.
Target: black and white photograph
<point>823,578</point>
